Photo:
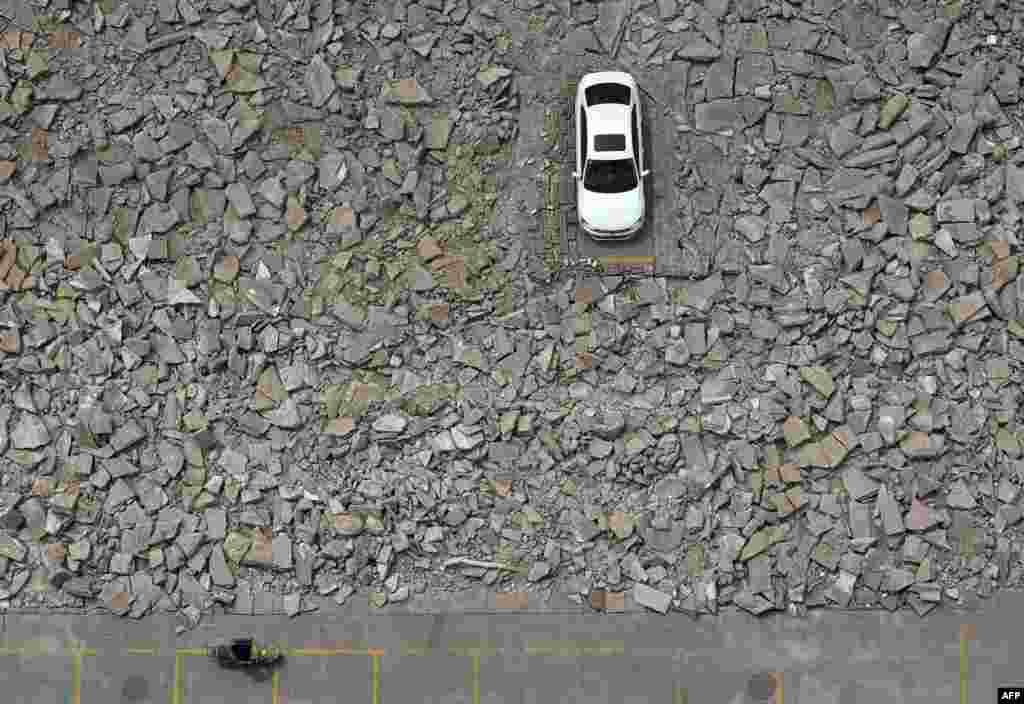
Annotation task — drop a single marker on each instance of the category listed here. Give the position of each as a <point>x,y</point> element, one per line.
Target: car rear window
<point>603,93</point>
<point>609,142</point>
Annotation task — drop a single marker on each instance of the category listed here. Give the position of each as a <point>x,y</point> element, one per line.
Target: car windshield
<point>610,176</point>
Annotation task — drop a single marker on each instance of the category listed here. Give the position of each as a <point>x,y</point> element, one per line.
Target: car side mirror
<point>645,173</point>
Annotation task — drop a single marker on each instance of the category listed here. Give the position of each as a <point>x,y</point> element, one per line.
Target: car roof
<point>608,119</point>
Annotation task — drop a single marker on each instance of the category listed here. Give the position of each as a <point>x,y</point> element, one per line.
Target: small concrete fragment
<point>651,598</point>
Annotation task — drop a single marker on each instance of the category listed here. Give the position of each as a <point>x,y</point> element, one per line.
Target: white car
<point>610,166</point>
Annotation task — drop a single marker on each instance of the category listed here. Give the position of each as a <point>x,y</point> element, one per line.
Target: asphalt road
<point>825,658</point>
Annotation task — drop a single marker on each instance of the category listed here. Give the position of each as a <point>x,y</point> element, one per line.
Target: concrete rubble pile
<point>274,333</point>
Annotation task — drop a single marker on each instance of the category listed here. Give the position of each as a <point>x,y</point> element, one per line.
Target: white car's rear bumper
<point>612,235</point>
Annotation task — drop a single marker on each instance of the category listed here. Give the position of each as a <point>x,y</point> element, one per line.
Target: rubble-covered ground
<point>275,324</point>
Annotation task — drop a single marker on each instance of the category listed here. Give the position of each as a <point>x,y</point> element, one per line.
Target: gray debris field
<point>275,327</point>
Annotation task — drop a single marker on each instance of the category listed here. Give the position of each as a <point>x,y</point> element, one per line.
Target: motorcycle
<point>244,652</point>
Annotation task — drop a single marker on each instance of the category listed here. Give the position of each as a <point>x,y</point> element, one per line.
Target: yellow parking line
<point>76,679</point>
<point>476,679</point>
<point>141,651</point>
<point>469,649</point>
<point>75,653</point>
<point>190,651</point>
<point>416,648</point>
<point>376,680</point>
<point>628,260</point>
<point>76,672</point>
<point>572,648</point>
<point>275,696</point>
<point>177,692</point>
<point>967,632</point>
<point>326,652</point>
<point>40,651</point>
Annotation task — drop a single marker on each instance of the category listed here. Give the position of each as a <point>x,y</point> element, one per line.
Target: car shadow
<point>262,674</point>
<point>646,106</point>
<point>257,673</point>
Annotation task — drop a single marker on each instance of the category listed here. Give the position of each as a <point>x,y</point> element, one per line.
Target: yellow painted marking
<point>141,651</point>
<point>417,648</point>
<point>376,680</point>
<point>963,666</point>
<point>628,260</point>
<point>37,651</point>
<point>680,695</point>
<point>33,648</point>
<point>326,652</point>
<point>76,679</point>
<point>573,648</point>
<point>74,651</point>
<point>469,649</point>
<point>476,679</point>
<point>781,688</point>
<point>190,651</point>
<point>275,696</point>
<point>178,691</point>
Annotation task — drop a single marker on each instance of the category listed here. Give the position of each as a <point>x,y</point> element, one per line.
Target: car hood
<point>610,211</point>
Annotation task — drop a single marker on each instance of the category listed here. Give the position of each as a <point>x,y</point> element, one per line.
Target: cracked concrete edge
<point>482,601</point>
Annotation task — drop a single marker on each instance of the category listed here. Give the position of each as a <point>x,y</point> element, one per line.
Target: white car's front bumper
<point>620,77</point>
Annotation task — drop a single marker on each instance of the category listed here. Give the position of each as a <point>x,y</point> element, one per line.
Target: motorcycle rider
<point>244,650</point>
